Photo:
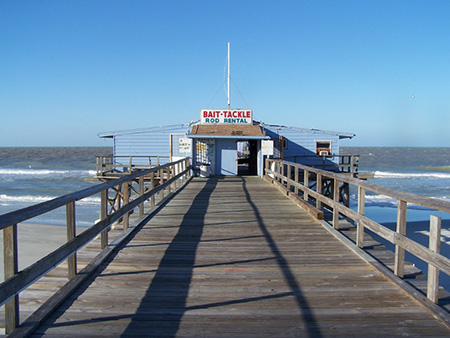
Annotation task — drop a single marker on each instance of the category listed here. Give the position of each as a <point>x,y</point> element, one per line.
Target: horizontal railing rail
<point>113,163</point>
<point>296,179</point>
<point>150,182</point>
<point>345,163</point>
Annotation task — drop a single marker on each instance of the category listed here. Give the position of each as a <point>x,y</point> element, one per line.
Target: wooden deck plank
<point>234,257</point>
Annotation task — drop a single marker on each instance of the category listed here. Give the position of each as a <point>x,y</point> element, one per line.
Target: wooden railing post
<point>281,173</point>
<point>288,177</point>
<point>10,269</point>
<point>141,192</point>
<point>161,181</point>
<point>296,180</point>
<point>103,214</point>
<point>152,186</point>
<point>361,211</point>
<point>336,199</point>
<point>399,264</point>
<point>126,200</point>
<point>433,272</point>
<point>306,184</point>
<point>169,172</point>
<point>319,189</point>
<point>71,233</point>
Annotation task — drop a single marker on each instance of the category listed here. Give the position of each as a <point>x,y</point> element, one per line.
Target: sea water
<point>33,175</point>
<point>421,171</point>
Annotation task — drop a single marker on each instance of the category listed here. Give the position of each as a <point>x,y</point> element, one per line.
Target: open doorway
<point>247,157</point>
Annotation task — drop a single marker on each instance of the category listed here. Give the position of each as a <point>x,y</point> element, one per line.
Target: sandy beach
<point>35,241</point>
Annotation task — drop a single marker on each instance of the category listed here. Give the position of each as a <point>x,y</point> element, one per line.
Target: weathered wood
<point>224,259</point>
<point>103,214</point>
<point>10,270</point>
<point>71,233</point>
<point>399,267</point>
<point>126,200</point>
<point>336,183</point>
<point>435,246</point>
<point>21,280</point>
<point>306,184</point>
<point>402,243</point>
<point>361,211</point>
<point>15,217</point>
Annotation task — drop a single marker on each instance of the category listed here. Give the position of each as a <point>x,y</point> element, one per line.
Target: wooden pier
<point>232,257</point>
<point>229,257</point>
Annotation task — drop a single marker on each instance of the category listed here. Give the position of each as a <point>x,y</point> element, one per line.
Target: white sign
<point>226,116</point>
<point>184,145</point>
<point>267,147</point>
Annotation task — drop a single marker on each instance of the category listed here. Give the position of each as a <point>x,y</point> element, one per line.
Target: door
<point>226,157</point>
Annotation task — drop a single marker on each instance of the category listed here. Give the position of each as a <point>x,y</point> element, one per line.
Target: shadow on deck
<point>233,257</point>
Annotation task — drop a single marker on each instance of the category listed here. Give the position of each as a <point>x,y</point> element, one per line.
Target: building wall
<point>302,142</point>
<point>149,142</point>
<point>156,142</point>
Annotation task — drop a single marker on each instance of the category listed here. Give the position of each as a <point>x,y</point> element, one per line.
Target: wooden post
<point>281,173</point>
<point>71,233</point>
<point>126,200</point>
<point>435,246</point>
<point>319,189</point>
<point>10,269</point>
<point>103,214</point>
<point>399,264</point>
<point>141,192</point>
<point>161,181</point>
<point>177,170</point>
<point>296,180</point>
<point>306,184</point>
<point>336,199</point>
<point>169,171</point>
<point>131,163</point>
<point>361,211</point>
<point>152,186</point>
<point>288,177</point>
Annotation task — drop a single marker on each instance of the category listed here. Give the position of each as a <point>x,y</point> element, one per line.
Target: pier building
<point>230,142</point>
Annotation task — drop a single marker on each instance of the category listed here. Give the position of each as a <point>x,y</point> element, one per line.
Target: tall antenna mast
<point>228,78</point>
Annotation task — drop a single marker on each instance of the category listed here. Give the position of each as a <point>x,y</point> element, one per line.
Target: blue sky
<point>72,69</point>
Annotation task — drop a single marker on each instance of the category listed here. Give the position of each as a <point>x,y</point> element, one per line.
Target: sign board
<point>226,116</point>
<point>267,147</point>
<point>184,145</point>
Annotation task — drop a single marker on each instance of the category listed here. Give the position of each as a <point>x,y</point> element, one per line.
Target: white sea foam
<point>45,172</point>
<point>39,199</point>
<point>396,175</point>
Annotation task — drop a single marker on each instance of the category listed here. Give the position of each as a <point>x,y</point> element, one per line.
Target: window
<point>323,148</point>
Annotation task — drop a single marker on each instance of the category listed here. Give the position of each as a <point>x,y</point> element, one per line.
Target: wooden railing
<point>110,164</point>
<point>296,179</point>
<point>145,185</point>
<point>347,163</point>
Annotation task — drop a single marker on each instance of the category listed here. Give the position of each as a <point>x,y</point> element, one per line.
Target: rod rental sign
<point>226,116</point>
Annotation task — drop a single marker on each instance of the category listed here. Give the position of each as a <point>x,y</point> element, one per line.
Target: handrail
<point>170,174</point>
<point>278,169</point>
<point>110,163</point>
<point>346,164</point>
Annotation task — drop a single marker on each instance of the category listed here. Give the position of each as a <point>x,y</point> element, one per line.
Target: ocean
<point>32,175</point>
